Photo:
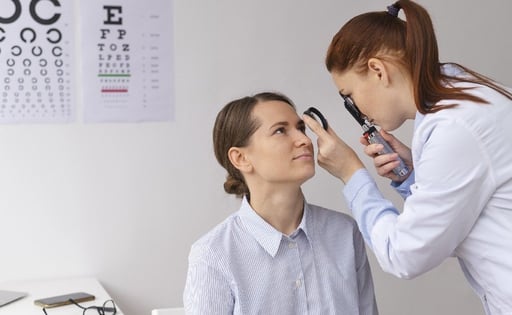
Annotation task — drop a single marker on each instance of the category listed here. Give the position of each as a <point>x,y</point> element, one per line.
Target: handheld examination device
<point>313,111</point>
<point>372,135</point>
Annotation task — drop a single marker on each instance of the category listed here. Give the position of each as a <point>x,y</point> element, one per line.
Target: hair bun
<point>235,186</point>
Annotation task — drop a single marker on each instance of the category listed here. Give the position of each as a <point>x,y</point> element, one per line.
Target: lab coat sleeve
<point>444,204</point>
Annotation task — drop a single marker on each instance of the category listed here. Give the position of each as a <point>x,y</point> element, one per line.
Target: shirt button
<point>292,245</point>
<point>298,283</point>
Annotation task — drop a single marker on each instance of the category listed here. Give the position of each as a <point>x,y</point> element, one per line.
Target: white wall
<point>124,202</point>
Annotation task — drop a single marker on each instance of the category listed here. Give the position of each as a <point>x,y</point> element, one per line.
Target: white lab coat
<point>460,203</point>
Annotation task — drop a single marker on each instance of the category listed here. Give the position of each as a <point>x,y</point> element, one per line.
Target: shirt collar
<point>418,119</point>
<point>265,234</point>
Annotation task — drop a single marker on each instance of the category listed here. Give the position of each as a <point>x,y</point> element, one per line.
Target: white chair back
<point>168,311</point>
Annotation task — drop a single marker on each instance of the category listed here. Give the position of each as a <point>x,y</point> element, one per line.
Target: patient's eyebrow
<point>279,123</point>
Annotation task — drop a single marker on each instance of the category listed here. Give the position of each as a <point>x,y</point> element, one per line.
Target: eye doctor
<point>458,194</point>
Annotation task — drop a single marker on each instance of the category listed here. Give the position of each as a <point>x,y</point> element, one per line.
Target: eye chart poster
<point>126,60</point>
<point>36,49</point>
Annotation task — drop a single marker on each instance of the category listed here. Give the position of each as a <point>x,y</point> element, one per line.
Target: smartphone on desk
<point>60,300</point>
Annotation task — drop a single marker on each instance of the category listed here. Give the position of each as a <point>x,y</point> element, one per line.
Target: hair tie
<point>393,9</point>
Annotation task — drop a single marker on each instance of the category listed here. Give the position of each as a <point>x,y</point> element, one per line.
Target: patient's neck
<point>282,209</point>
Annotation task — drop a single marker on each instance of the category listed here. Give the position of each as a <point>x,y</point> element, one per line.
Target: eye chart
<point>36,50</point>
<point>126,60</point>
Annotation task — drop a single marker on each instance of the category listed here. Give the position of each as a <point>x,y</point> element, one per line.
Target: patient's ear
<point>239,159</point>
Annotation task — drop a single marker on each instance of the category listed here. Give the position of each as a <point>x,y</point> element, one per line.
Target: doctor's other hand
<point>334,155</point>
<point>385,163</point>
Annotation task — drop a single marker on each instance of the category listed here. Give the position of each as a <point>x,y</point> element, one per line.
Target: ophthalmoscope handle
<point>373,136</point>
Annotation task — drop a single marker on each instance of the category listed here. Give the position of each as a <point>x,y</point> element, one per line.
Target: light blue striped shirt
<point>245,266</point>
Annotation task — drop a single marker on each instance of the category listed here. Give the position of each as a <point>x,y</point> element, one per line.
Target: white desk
<point>42,289</point>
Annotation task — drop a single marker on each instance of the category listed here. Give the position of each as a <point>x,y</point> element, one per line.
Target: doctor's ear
<point>239,159</point>
<point>377,67</point>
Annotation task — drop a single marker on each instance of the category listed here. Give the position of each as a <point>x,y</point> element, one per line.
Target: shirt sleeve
<point>453,183</point>
<point>403,188</point>
<point>207,290</point>
<point>366,202</point>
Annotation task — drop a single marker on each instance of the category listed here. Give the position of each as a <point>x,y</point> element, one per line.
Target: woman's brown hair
<point>412,45</point>
<point>234,127</point>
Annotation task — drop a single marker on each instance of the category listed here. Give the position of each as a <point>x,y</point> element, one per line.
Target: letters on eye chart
<point>127,54</point>
<point>125,60</point>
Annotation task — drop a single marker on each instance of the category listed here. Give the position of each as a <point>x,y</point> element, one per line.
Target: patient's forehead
<point>269,112</point>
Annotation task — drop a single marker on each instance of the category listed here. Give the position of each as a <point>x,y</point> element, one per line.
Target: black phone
<point>65,299</point>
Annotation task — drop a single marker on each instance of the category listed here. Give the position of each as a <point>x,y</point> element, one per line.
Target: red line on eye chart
<point>114,75</point>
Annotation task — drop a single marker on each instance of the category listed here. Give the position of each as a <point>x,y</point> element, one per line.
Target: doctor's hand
<point>385,163</point>
<point>334,155</point>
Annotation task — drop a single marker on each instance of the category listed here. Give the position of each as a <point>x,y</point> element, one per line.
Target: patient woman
<point>277,254</point>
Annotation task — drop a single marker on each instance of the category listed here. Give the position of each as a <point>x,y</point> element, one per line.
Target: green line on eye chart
<point>114,75</point>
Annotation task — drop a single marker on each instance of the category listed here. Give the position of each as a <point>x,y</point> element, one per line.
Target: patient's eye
<point>279,130</point>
